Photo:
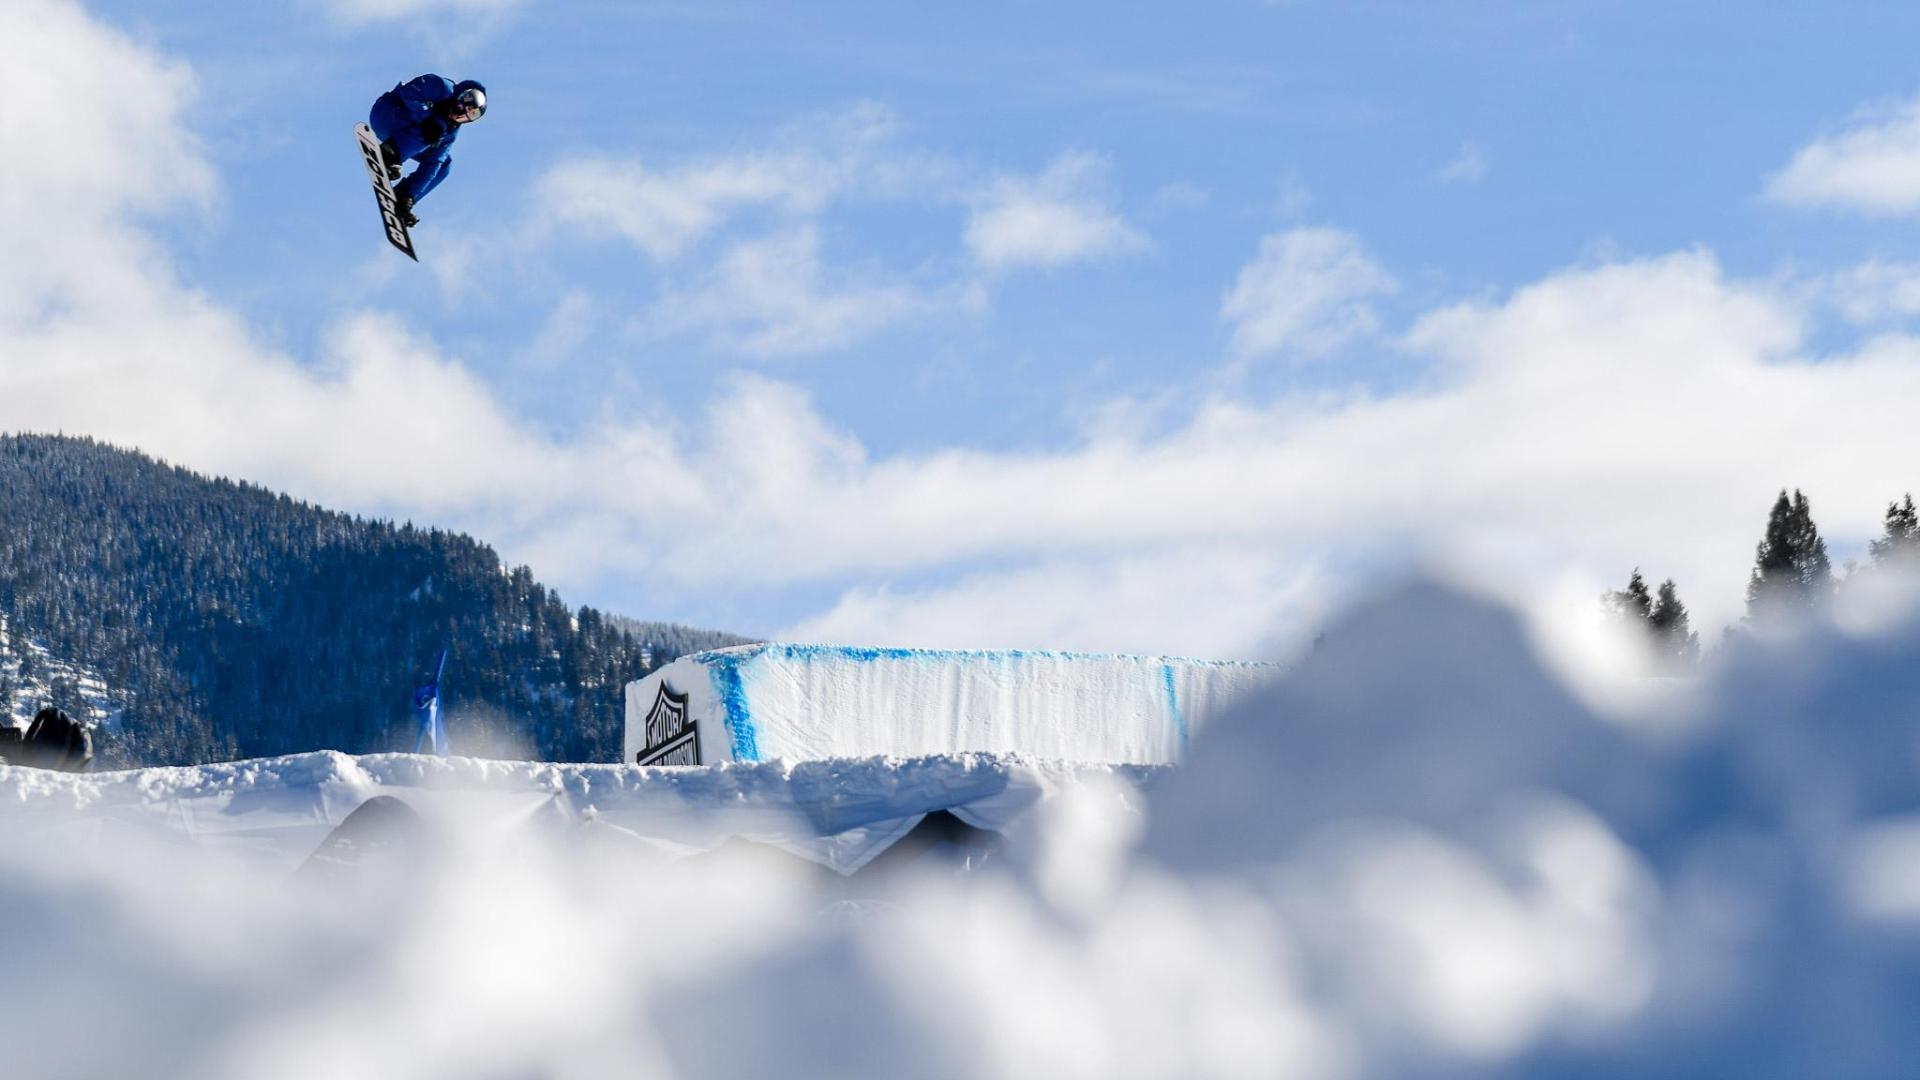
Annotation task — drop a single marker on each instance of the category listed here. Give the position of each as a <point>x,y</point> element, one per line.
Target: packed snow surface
<point>272,813</point>
<point>1417,854</point>
<point>806,702</point>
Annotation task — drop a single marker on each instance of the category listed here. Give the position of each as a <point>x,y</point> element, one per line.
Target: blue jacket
<point>413,116</point>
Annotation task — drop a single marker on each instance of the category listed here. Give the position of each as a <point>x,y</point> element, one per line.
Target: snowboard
<point>397,234</point>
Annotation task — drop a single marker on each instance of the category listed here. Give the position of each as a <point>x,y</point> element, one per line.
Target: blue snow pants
<point>391,123</point>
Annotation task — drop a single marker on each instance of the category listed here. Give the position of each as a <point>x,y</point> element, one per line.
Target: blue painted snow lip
<point>857,653</point>
<point>742,739</point>
<point>1173,708</point>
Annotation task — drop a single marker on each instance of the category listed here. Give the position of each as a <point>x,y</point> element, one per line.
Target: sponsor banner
<point>672,737</point>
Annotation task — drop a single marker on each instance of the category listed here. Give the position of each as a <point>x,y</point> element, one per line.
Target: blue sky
<point>1095,326</point>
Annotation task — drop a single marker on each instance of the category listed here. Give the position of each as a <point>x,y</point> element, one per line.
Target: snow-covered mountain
<point>31,677</point>
<point>216,619</point>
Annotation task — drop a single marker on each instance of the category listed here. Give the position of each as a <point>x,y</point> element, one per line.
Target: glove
<point>433,129</point>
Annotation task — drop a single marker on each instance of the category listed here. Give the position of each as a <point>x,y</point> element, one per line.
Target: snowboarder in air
<point>417,121</point>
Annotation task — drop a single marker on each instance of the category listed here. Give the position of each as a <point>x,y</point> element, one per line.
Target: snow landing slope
<point>273,812</point>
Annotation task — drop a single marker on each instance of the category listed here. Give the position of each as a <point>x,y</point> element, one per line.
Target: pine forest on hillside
<point>222,620</point>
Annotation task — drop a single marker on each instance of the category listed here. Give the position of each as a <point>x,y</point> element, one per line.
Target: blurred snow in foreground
<point>1419,854</point>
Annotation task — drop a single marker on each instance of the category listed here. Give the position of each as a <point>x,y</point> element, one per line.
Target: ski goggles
<point>471,105</point>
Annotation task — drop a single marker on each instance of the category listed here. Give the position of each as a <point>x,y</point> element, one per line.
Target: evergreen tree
<point>1902,539</point>
<point>1663,619</point>
<point>1673,635</point>
<point>1633,602</point>
<point>1791,570</point>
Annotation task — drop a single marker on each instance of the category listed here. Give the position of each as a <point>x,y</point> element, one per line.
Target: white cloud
<point>754,285</point>
<point>1211,599</point>
<point>1872,167</point>
<point>739,235</point>
<point>666,213</point>
<point>107,113</point>
<point>1306,291</point>
<point>360,12</point>
<point>1468,166</point>
<point>566,330</point>
<point>1295,195</point>
<point>1055,219</point>
<point>773,297</point>
<point>1875,291</point>
<point>1631,414</point>
<point>1180,195</point>
<point>109,107</point>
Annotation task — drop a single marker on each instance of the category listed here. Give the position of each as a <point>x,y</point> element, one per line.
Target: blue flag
<point>426,703</point>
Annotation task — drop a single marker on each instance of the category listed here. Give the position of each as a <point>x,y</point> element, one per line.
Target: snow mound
<point>1476,869</point>
<point>1418,854</point>
<point>273,812</point>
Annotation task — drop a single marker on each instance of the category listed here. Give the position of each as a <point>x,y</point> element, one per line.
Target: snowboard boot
<point>391,159</point>
<point>403,208</point>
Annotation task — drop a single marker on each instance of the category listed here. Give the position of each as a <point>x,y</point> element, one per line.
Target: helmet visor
<point>471,105</point>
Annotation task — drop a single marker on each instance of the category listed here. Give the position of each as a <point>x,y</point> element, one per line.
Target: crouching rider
<point>417,121</point>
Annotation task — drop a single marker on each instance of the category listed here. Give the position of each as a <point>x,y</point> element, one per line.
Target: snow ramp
<point>811,702</point>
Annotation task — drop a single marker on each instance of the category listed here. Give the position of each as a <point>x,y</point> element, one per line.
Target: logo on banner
<point>672,736</point>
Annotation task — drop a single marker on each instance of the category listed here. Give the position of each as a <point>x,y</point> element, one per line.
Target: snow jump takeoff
<point>416,121</point>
